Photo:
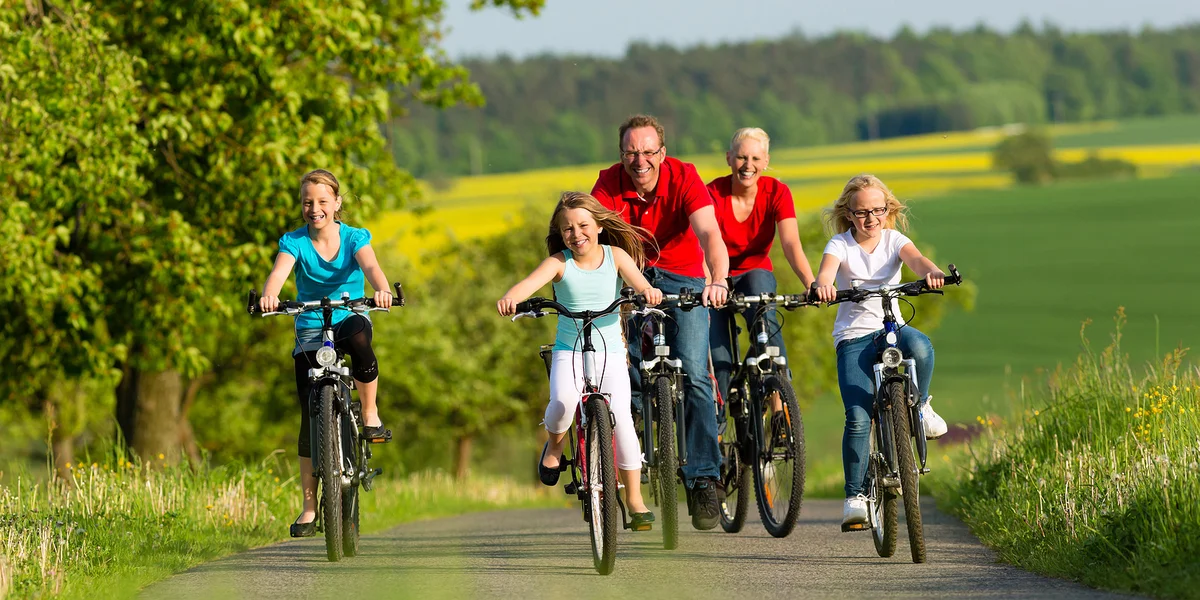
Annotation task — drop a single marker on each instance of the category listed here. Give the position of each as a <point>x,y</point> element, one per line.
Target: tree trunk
<point>62,442</point>
<point>187,437</point>
<point>462,455</point>
<point>148,404</point>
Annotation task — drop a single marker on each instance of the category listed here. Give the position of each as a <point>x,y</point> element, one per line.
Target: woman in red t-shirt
<point>750,208</point>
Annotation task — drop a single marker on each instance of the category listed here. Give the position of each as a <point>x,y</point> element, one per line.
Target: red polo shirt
<point>680,192</point>
<point>749,242</point>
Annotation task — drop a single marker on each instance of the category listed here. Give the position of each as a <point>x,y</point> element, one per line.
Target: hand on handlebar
<point>935,279</point>
<point>825,293</point>
<point>653,296</point>
<point>506,306</point>
<point>715,295</point>
<point>383,299</point>
<point>268,303</point>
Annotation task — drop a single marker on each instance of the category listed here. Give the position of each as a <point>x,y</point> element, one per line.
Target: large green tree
<point>215,110</point>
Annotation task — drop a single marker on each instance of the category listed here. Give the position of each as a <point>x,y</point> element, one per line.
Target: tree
<point>1028,155</point>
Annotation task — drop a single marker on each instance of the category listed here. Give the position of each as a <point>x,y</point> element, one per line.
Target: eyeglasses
<point>862,214</point>
<point>632,154</point>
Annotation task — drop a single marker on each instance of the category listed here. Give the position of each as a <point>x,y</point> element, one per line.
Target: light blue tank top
<point>580,289</point>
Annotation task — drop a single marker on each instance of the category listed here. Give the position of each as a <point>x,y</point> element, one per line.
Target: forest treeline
<point>556,110</point>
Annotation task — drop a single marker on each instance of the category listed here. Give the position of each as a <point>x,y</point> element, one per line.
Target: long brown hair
<point>839,219</point>
<point>617,232</point>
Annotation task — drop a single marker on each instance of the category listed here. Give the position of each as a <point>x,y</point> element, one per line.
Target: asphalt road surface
<point>545,554</point>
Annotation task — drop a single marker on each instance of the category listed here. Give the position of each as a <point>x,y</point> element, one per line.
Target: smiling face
<point>319,204</point>
<point>579,230</point>
<point>869,213</point>
<point>748,160</point>
<point>642,154</point>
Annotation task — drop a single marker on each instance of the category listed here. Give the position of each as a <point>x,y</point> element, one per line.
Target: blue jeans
<point>856,360</point>
<point>687,334</point>
<point>755,281</point>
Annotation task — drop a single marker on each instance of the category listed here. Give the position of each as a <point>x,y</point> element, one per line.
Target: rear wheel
<point>665,464</point>
<point>331,472</point>
<point>736,472</point>
<point>779,468</point>
<point>910,482</point>
<point>600,481</point>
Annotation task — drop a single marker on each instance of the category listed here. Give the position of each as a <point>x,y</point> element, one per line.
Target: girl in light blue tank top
<point>591,250</point>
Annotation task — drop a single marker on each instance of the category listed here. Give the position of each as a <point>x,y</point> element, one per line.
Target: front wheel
<point>881,507</point>
<point>354,458</point>
<point>910,482</point>
<point>331,471</point>
<point>600,482</point>
<point>779,468</point>
<point>664,459</point>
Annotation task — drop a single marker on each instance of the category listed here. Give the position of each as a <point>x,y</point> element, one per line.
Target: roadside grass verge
<point>1096,480</point>
<point>115,526</point>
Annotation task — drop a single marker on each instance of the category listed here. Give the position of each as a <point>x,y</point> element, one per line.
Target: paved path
<point>545,554</point>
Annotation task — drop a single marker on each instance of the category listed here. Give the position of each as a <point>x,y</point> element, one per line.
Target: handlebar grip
<point>252,302</point>
<point>954,277</point>
<point>399,301</point>
<point>529,305</point>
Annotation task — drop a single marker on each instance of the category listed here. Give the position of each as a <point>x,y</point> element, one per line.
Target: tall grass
<point>114,526</point>
<point>1099,482</point>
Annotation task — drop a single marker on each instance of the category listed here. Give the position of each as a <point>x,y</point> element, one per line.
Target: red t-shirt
<point>680,192</point>
<point>749,242</point>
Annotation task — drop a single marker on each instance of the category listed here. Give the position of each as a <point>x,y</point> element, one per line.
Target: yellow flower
<point>269,471</point>
<point>94,465</point>
<point>1037,412</point>
<point>276,480</point>
<point>161,456</point>
<point>1127,409</point>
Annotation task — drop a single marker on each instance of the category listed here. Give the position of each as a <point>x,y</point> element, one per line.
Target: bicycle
<point>895,432</point>
<point>340,455</point>
<point>664,445</point>
<point>767,436</point>
<point>592,466</point>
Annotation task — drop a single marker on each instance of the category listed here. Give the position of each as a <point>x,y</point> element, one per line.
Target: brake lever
<point>528,315</point>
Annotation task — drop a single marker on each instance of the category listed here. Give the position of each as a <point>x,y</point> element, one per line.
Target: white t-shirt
<point>881,267</point>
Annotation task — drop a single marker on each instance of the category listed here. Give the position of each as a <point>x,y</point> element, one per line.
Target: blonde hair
<point>751,133</point>
<point>617,232</point>
<point>839,219</point>
<point>316,176</point>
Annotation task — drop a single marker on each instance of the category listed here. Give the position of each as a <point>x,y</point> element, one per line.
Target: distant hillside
<point>557,110</point>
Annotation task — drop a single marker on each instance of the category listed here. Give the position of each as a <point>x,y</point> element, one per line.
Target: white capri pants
<point>566,389</point>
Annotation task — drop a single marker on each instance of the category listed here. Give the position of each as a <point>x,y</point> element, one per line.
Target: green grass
<point>1047,259</point>
<point>1096,481</point>
<point>114,527</point>
<point>1178,129</point>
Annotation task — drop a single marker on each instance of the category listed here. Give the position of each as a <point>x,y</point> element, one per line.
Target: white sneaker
<point>854,511</point>
<point>935,426</point>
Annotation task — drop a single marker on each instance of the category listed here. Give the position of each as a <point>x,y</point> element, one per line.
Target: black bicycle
<point>762,430</point>
<point>593,464</point>
<point>897,432</point>
<point>663,435</point>
<point>340,453</point>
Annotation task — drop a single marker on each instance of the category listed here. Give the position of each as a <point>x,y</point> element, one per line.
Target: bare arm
<point>716,256</point>
<point>550,270</point>
<point>269,300</point>
<point>826,274</point>
<point>923,267</point>
<point>374,275</point>
<point>633,276</point>
<point>793,250</point>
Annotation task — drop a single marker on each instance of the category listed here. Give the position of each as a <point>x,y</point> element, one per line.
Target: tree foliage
<point>804,91</point>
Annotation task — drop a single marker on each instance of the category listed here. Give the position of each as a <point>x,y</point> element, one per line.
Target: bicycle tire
<point>350,529</point>
<point>910,482</point>
<point>786,459</point>
<point>331,480</point>
<point>665,461</point>
<point>737,475</point>
<point>882,512</point>
<point>603,493</point>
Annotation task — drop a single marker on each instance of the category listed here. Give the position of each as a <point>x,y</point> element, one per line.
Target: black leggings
<point>351,336</point>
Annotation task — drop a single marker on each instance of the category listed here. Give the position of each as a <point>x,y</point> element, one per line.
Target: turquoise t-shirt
<point>317,278</point>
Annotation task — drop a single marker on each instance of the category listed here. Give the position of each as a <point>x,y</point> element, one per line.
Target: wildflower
<point>94,465</point>
<point>276,480</point>
<point>1037,412</point>
<point>161,456</point>
<point>269,471</point>
<point>1127,409</point>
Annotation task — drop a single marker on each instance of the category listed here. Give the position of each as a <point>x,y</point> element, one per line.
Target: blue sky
<point>606,27</point>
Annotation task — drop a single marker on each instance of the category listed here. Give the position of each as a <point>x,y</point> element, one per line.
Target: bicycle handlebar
<point>532,308</point>
<point>295,307</point>
<point>910,288</point>
<point>787,301</point>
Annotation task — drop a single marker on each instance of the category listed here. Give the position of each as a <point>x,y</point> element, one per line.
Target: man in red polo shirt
<point>667,197</point>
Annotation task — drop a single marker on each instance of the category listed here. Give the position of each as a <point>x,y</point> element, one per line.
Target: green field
<point>1047,259</point>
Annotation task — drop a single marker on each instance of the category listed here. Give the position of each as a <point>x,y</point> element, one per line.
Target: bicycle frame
<point>661,365</point>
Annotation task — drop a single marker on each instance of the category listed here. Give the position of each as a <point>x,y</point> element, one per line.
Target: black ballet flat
<point>548,475</point>
<point>302,530</point>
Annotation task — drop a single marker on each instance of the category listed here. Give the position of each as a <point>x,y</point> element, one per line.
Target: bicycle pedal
<point>385,438</point>
<point>646,527</point>
<point>848,527</point>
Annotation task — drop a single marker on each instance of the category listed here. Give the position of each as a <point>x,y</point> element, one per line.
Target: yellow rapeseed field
<point>914,167</point>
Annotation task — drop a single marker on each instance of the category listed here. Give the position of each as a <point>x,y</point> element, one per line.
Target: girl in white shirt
<point>868,247</point>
